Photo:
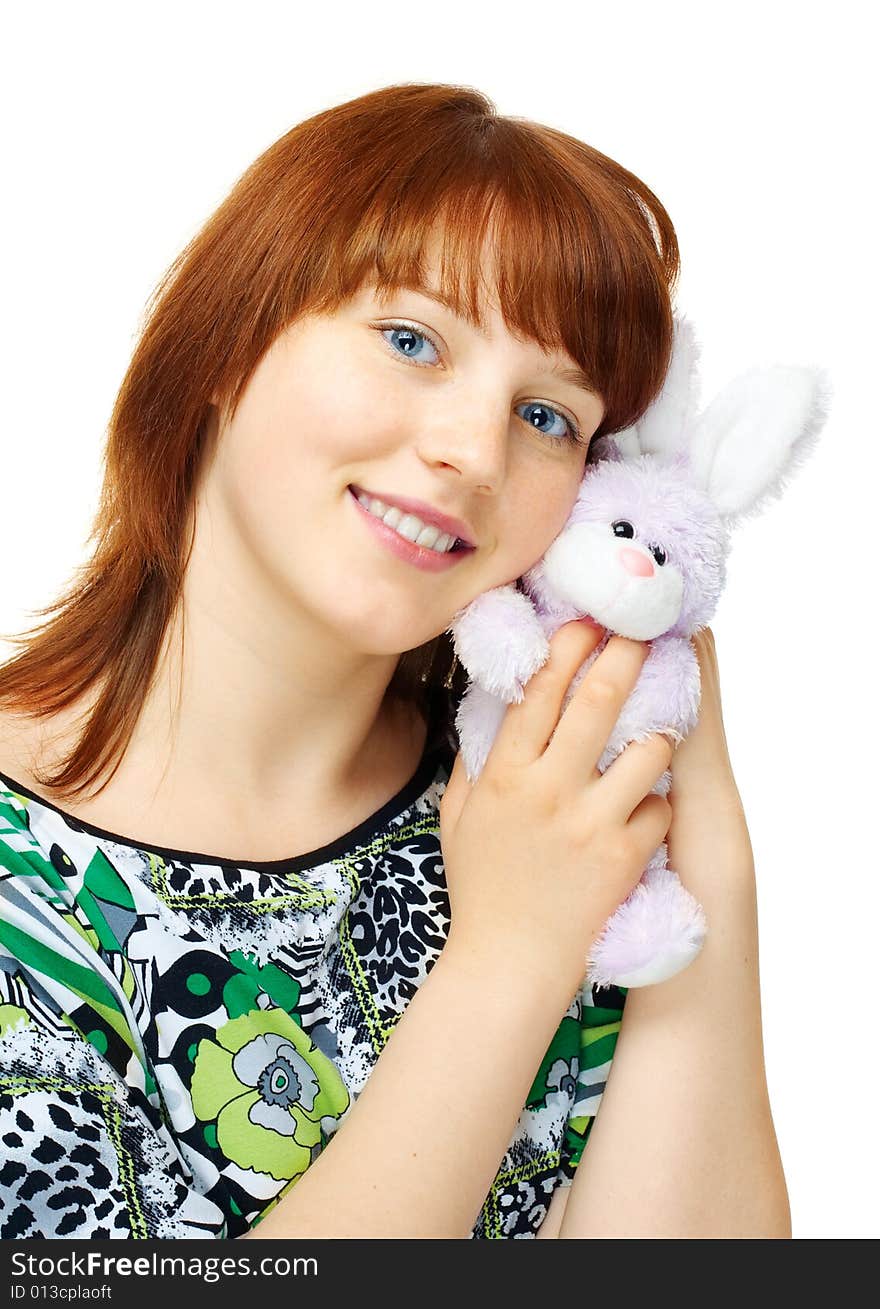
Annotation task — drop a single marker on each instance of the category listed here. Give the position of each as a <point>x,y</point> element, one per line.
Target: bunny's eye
<point>659,555</point>
<point>623,528</point>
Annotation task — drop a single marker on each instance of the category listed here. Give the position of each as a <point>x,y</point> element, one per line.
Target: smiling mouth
<point>458,546</point>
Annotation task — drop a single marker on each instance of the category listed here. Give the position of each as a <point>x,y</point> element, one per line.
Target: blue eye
<point>405,341</point>
<point>408,340</point>
<point>570,428</point>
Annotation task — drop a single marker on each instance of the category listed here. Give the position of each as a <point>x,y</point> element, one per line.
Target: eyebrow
<point>566,373</point>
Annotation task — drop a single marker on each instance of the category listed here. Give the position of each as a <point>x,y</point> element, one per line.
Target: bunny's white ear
<point>758,430</point>
<point>665,426</point>
<point>625,443</point>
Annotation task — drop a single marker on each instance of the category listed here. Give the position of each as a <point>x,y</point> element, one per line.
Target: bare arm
<point>536,858</point>
<point>419,1151</point>
<point>684,1144</point>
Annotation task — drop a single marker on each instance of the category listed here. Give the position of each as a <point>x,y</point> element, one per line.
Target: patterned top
<point>180,1036</point>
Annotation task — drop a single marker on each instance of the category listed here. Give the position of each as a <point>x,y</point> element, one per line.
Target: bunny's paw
<point>657,931</point>
<point>500,642</point>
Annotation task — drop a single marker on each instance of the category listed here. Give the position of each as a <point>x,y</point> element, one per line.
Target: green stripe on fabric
<point>31,862</point>
<point>82,981</point>
<point>14,816</point>
<point>599,1052</point>
<point>591,1034</point>
<point>10,859</point>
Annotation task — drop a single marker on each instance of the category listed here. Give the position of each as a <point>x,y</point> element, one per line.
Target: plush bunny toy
<point>643,553</point>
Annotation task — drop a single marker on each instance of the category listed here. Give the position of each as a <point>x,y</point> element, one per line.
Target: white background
<point>125,125</point>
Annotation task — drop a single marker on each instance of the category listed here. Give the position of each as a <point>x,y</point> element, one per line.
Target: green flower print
<point>267,1087</point>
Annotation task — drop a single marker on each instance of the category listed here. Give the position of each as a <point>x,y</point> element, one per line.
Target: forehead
<point>433,275</point>
<point>432,291</point>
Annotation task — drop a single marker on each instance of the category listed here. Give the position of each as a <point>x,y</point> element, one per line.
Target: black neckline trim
<point>435,752</point>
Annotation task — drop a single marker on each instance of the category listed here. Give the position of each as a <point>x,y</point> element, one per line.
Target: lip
<point>420,556</point>
<point>430,516</point>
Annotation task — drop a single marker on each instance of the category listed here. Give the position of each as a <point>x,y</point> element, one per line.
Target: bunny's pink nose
<point>636,563</point>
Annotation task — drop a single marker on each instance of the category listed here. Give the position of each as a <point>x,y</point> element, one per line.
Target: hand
<point>703,753</point>
<point>541,848</point>
<point>707,814</point>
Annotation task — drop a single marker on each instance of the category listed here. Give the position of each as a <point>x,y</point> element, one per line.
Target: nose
<point>635,562</point>
<point>473,441</point>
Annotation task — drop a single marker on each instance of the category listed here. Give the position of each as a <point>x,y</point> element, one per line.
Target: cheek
<point>536,515</point>
<point>291,442</point>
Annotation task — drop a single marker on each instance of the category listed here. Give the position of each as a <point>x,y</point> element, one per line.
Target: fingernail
<point>591,622</point>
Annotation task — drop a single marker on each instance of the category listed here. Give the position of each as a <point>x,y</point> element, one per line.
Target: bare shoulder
<point>25,745</point>
<point>17,741</point>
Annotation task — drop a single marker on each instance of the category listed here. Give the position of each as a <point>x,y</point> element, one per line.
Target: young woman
<point>270,964</point>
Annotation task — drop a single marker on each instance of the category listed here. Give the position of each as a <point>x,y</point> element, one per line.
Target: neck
<point>255,699</point>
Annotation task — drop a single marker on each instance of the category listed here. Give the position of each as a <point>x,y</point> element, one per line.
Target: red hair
<point>585,259</point>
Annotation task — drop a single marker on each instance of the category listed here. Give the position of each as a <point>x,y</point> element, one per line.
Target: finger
<point>458,788</point>
<point>528,725</point>
<point>589,718</point>
<point>649,824</point>
<point>631,776</point>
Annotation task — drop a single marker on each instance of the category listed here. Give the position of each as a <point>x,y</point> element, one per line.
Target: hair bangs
<point>575,256</point>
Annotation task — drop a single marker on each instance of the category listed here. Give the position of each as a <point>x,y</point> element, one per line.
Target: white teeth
<point>428,536</point>
<point>408,526</point>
